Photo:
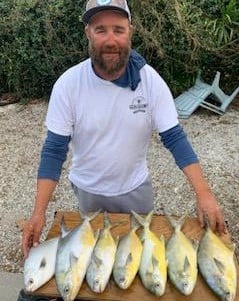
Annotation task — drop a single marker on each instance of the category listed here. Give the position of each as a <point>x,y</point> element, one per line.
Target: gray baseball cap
<point>95,6</point>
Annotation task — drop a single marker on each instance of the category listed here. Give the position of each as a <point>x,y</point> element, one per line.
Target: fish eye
<point>185,284</point>
<point>66,290</point>
<point>157,285</point>
<point>31,281</point>
<point>122,279</point>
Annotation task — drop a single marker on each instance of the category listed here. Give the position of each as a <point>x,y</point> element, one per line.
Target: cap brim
<point>91,12</point>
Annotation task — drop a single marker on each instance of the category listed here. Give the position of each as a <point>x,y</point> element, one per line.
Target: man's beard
<point>110,67</point>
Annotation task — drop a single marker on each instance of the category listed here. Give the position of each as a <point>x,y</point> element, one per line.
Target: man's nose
<point>111,38</point>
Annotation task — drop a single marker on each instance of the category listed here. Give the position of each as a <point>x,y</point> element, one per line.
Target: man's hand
<point>208,210</point>
<point>32,232</point>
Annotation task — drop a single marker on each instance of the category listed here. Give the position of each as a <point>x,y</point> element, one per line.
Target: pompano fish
<point>39,266</point>
<point>217,266</point>
<point>153,265</point>
<point>128,256</point>
<point>73,256</point>
<point>101,264</point>
<point>182,258</point>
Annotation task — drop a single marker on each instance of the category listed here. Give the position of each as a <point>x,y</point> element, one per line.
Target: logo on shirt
<point>139,104</point>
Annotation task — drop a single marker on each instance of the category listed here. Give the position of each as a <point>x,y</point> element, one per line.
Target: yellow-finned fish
<point>39,266</point>
<point>217,265</point>
<point>73,256</point>
<point>103,257</point>
<point>182,258</point>
<point>153,265</point>
<point>128,256</point>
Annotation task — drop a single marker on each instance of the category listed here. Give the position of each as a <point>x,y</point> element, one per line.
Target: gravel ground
<point>215,139</point>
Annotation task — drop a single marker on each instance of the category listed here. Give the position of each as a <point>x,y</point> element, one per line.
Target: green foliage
<point>40,39</point>
<point>177,39</point>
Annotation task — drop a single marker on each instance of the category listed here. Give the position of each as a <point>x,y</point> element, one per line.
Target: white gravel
<point>215,139</point>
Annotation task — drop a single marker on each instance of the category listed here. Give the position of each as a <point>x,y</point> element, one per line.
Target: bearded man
<point>107,107</point>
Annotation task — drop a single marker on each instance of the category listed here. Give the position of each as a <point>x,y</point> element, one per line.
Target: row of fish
<point>84,254</point>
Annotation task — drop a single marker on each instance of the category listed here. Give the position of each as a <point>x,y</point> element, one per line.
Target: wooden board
<point>136,292</point>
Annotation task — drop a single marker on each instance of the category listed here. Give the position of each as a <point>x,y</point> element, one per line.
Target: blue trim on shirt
<point>175,140</point>
<point>53,155</point>
<point>131,78</point>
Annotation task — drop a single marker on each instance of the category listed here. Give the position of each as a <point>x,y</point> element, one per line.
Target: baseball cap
<point>95,6</point>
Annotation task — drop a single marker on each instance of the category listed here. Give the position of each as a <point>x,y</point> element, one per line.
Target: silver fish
<point>73,257</point>
<point>101,264</point>
<point>182,259</point>
<point>153,265</point>
<point>39,266</point>
<point>128,256</point>
<point>217,265</point>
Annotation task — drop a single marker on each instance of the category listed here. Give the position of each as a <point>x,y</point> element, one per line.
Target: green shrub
<point>40,39</point>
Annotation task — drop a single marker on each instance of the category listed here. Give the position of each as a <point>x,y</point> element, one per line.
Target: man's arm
<point>207,205</point>
<point>175,140</point>
<point>33,228</point>
<point>53,155</point>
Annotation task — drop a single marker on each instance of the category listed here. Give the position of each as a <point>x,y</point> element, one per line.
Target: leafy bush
<point>178,39</point>
<point>41,39</point>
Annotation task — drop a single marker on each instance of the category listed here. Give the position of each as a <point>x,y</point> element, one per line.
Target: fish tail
<point>134,224</point>
<point>107,223</point>
<point>64,229</point>
<point>143,221</point>
<point>177,223</point>
<point>89,217</point>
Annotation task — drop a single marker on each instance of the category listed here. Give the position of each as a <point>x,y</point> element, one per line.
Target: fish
<point>217,265</point>
<point>181,254</point>
<point>128,256</point>
<point>102,260</point>
<point>39,266</point>
<point>153,265</point>
<point>73,256</point>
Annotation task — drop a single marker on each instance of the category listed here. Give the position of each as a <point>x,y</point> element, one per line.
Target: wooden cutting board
<point>136,292</point>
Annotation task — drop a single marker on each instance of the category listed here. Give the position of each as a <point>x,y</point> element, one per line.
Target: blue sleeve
<point>175,140</point>
<point>53,155</point>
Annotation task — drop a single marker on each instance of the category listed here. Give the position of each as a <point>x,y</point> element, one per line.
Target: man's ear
<point>87,31</point>
<point>131,29</point>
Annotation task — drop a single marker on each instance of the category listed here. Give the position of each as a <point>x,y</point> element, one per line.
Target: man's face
<point>109,35</point>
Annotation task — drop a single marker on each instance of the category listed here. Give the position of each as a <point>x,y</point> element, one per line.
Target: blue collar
<point>131,78</point>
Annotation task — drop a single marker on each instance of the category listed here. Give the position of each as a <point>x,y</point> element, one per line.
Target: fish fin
<point>117,240</point>
<point>43,263</point>
<point>195,243</point>
<point>219,265</point>
<point>138,218</point>
<point>232,247</point>
<point>186,265</point>
<point>98,262</point>
<point>107,223</point>
<point>129,259</point>
<point>142,236</point>
<point>134,224</point>
<point>155,262</point>
<point>97,234</point>
<point>64,229</point>
<point>162,239</point>
<point>73,259</point>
